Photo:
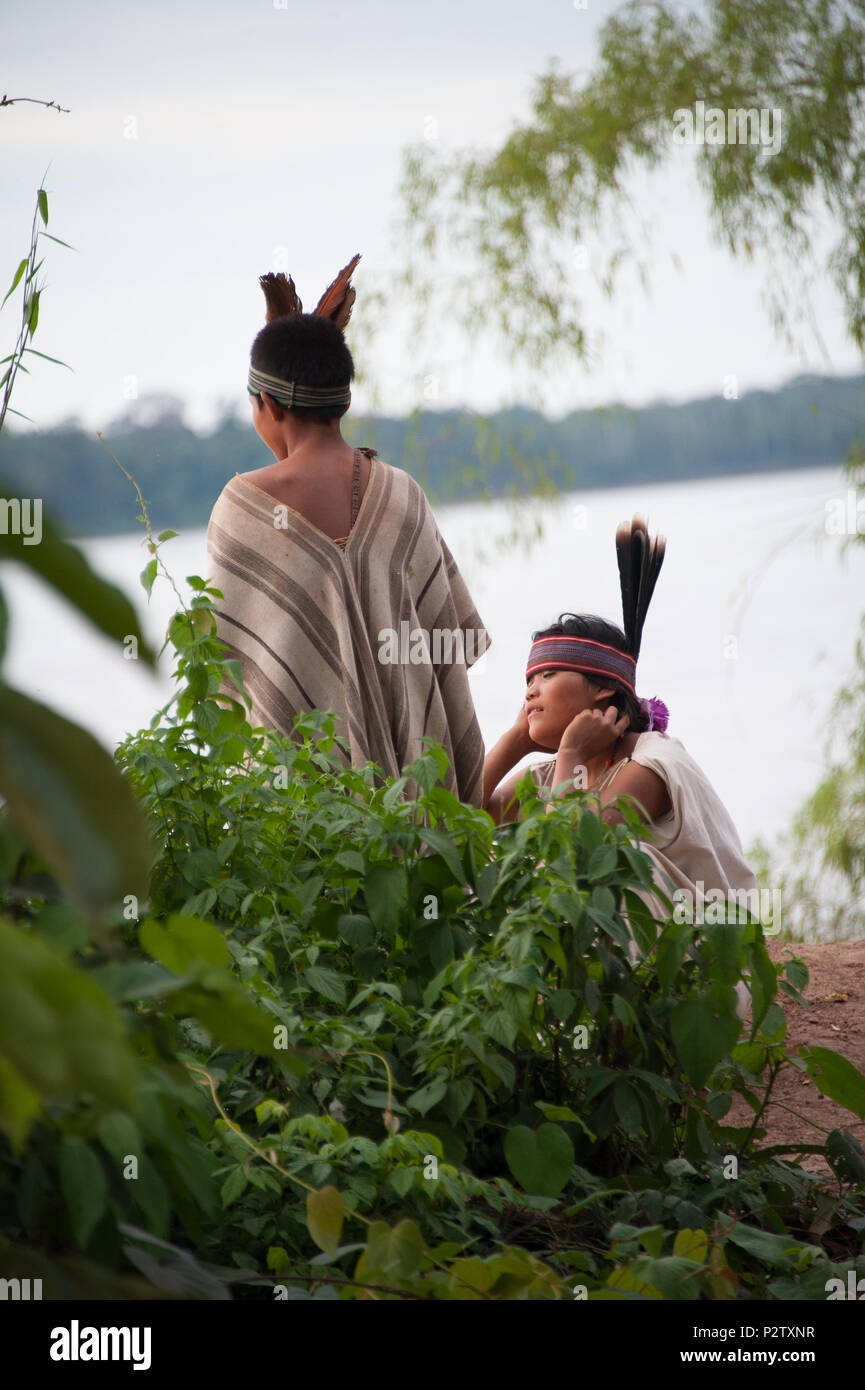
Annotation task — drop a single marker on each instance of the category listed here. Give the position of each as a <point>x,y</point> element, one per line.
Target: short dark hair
<point>307,348</point>
<point>595,629</point>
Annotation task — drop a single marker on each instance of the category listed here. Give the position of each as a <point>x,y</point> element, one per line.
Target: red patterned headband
<point>579,654</point>
<point>595,659</point>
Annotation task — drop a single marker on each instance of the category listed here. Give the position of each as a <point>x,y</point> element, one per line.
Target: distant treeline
<point>455,455</point>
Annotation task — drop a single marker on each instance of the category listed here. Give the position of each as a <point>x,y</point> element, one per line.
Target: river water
<point>751,631</point>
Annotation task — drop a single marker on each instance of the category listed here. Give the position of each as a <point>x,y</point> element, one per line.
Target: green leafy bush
<point>369,1044</point>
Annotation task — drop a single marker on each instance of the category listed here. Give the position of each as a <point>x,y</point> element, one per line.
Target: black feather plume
<point>640,558</point>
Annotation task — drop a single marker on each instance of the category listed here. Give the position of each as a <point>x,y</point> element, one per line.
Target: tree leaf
<point>16,280</point>
<point>428,1096</point>
<point>324,1217</point>
<point>148,575</point>
<point>541,1161</point>
<point>84,1187</point>
<point>835,1077</point>
<point>68,796</point>
<point>19,1103</point>
<point>701,1038</point>
<point>394,1254</point>
<point>385,892</point>
<point>443,845</point>
<point>183,941</point>
<point>57,1028</point>
<point>68,571</point>
<point>326,982</point>
<point>602,862</point>
<point>233,1186</point>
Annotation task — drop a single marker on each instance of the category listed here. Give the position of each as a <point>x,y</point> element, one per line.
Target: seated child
<point>581,703</point>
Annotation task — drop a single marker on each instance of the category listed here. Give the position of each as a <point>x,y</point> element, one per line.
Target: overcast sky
<point>203,137</point>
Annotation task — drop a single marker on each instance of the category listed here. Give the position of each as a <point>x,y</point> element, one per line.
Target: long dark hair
<point>640,557</point>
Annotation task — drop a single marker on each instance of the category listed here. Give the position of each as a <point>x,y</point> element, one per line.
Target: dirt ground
<point>836,994</point>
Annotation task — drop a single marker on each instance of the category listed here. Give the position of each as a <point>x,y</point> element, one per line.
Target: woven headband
<point>291,393</point>
<point>579,654</point>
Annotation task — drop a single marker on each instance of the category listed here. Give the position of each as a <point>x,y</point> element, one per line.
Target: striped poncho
<point>312,623</point>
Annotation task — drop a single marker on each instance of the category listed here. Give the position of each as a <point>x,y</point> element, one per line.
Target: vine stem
<point>154,545</point>
<point>775,1072</point>
<point>26,313</point>
<point>205,1078</point>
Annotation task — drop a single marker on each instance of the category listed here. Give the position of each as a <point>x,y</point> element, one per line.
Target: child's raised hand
<point>591,733</point>
<point>522,735</point>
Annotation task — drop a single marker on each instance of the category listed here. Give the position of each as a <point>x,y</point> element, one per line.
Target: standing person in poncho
<point>322,553</point>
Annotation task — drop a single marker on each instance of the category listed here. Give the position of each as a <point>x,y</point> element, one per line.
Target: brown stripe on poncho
<point>303,616</point>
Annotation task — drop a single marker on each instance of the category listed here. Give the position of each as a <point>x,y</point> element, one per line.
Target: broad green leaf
<point>84,1187</point>
<point>148,575</point>
<point>673,1276</point>
<point>63,927</point>
<point>402,1180</point>
<point>234,1184</point>
<point>591,831</point>
<point>541,1161</point>
<point>326,982</point>
<point>765,1245</point>
<point>396,1254</point>
<point>691,1245</point>
<point>19,1104</point>
<point>701,1039</point>
<point>836,1078</point>
<point>499,1026</point>
<point>443,845</point>
<point>324,1217</point>
<point>671,952</point>
<point>797,973</point>
<point>751,1056</point>
<point>458,1098</point>
<point>225,1009</point>
<point>627,1107</point>
<point>183,941</point>
<point>439,941</point>
<point>763,981</point>
<point>602,862</point>
<point>42,198</point>
<point>563,1002</point>
<point>67,570</point>
<point>57,1028</point>
<point>68,796</point>
<point>385,892</point>
<point>120,1135</point>
<point>428,1096</point>
<point>66,567</point>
